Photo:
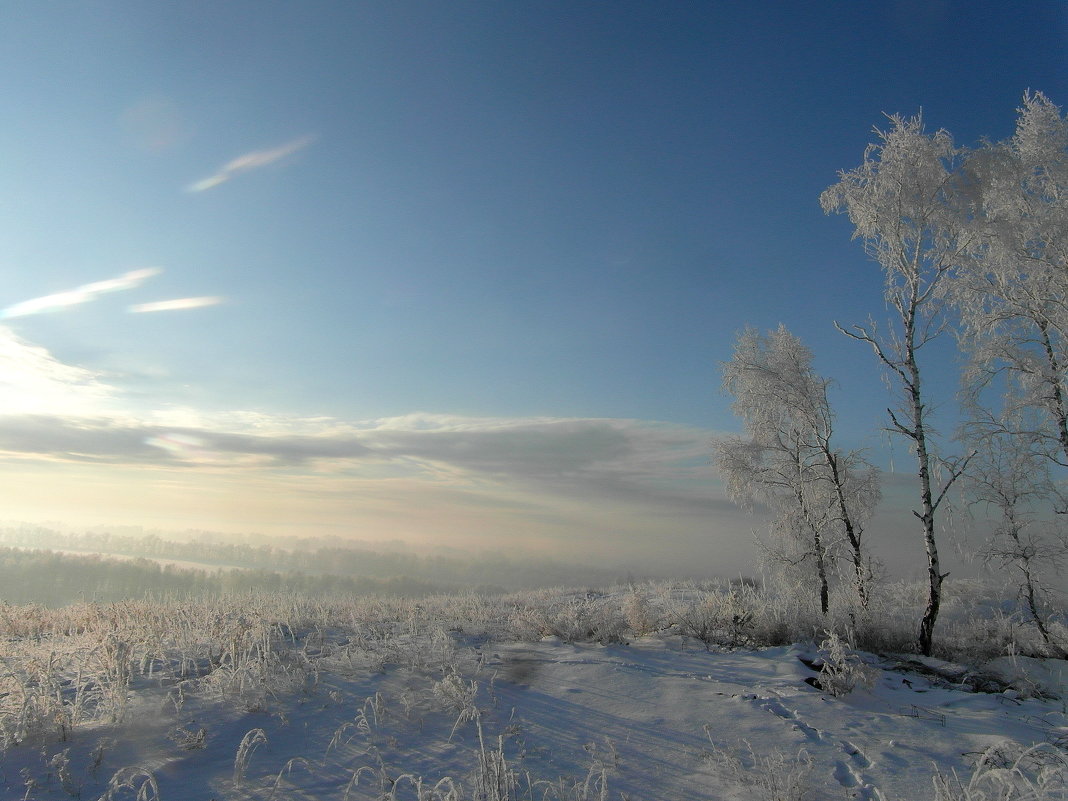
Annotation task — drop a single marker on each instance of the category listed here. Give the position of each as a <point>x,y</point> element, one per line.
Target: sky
<point>459,274</point>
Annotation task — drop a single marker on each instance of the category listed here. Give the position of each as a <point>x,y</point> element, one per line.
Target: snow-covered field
<point>263,698</point>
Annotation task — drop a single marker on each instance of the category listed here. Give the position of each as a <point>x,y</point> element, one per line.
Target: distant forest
<point>37,566</point>
<point>56,579</point>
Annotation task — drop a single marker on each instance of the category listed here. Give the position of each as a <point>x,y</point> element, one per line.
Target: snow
<point>658,718</point>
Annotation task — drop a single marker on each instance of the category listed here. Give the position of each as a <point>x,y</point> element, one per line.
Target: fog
<point>56,563</point>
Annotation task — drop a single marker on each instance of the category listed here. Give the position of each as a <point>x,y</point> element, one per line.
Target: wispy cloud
<point>176,304</point>
<point>82,294</point>
<point>250,161</point>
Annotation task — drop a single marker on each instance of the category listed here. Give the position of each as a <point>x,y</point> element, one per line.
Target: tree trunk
<point>1059,411</point>
<point>852,533</point>
<point>821,571</point>
<point>812,525</point>
<point>923,458</point>
<point>1032,606</point>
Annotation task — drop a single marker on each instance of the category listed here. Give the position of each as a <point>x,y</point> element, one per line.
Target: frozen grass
<point>776,776</point>
<point>88,667</point>
<point>1004,772</point>
<point>65,667</point>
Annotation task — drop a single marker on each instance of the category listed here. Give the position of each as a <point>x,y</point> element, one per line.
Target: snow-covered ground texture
<point>550,695</point>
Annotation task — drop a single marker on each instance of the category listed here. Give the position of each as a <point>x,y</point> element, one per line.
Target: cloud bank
<point>573,458</point>
<point>604,490</point>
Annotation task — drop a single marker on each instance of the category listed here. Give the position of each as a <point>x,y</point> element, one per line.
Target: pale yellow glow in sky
<point>412,510</point>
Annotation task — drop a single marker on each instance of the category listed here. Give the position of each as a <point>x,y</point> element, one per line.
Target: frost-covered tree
<point>1013,304</point>
<point>1026,544</point>
<point>1013,298</point>
<point>820,495</point>
<point>906,205</point>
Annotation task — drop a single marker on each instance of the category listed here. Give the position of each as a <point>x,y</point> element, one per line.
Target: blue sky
<point>457,273</point>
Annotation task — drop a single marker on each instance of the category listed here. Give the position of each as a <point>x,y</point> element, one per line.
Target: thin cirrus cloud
<point>249,161</point>
<point>80,295</point>
<point>177,304</point>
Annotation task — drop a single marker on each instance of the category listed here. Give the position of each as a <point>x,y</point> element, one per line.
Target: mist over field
<point>50,567</point>
<point>110,563</point>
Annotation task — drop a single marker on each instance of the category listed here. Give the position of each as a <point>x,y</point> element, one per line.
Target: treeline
<point>57,579</point>
<point>118,566</point>
<point>316,558</point>
<point>323,561</point>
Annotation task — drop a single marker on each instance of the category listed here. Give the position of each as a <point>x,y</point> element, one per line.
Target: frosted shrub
<point>609,625</point>
<point>981,623</point>
<point>571,621</point>
<point>580,618</point>
<point>717,618</point>
<point>889,622</point>
<point>842,669</point>
<point>738,614</point>
<point>641,616</point>
<point>697,619</point>
<point>784,611</point>
<point>1058,632</point>
<point>469,613</point>
<point>114,671</point>
<point>457,697</point>
<point>526,623</point>
<point>979,639</point>
<point>432,651</point>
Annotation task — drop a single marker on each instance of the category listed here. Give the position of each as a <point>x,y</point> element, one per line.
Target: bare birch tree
<point>821,496</point>
<point>905,204</point>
